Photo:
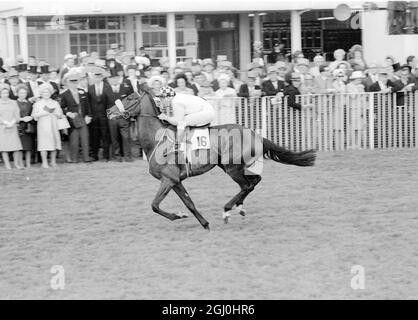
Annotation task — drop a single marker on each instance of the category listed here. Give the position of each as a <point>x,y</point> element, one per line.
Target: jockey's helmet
<point>167,92</point>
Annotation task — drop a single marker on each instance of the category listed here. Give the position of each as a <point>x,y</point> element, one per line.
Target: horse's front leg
<point>165,187</point>
<point>184,196</point>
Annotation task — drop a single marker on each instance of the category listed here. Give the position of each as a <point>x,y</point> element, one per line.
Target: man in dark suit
<point>272,86</point>
<point>250,89</point>
<point>120,135</point>
<point>384,84</point>
<point>99,129</point>
<point>13,79</point>
<point>75,105</point>
<point>292,90</point>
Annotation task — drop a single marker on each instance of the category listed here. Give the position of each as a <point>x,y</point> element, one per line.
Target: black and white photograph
<point>196,150</point>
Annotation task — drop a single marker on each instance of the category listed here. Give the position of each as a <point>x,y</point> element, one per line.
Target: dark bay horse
<point>233,158</point>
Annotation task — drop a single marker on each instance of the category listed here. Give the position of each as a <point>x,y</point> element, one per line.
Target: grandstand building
<point>187,29</point>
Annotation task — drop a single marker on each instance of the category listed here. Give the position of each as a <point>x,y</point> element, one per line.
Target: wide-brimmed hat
<point>207,61</point>
<point>12,73</point>
<point>280,65</point>
<point>72,75</point>
<point>344,63</point>
<point>302,62</point>
<point>384,71</point>
<point>295,76</point>
<point>357,75</point>
<point>132,66</point>
<point>99,72</point>
<point>46,86</point>
<point>252,75</point>
<point>69,56</point>
<point>272,69</point>
<point>151,80</point>
<point>225,64</point>
<point>253,65</point>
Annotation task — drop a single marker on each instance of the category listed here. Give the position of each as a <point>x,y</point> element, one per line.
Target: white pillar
<point>171,38</point>
<point>23,38</point>
<point>10,38</point>
<point>244,43</point>
<point>130,36</point>
<point>295,31</point>
<point>138,31</point>
<point>257,28</point>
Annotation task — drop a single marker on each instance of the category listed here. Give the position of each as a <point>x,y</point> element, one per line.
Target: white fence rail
<point>328,122</point>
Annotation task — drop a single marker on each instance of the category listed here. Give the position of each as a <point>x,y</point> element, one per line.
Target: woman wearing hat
<point>339,56</point>
<point>9,119</point>
<point>45,78</point>
<point>356,105</point>
<point>46,112</point>
<point>27,125</point>
<point>226,105</point>
<point>208,69</point>
<point>339,81</point>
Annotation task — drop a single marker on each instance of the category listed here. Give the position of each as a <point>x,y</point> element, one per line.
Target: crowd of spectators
<point>46,111</point>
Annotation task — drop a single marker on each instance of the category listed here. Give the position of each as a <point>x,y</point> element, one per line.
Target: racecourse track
<point>304,230</point>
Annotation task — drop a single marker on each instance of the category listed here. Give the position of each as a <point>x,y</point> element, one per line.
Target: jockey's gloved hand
<point>163,117</point>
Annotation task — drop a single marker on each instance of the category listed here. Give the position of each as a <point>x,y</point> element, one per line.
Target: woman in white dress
<point>225,103</point>
<point>46,112</point>
<point>9,120</point>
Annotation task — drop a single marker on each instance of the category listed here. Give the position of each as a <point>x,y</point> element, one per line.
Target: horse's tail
<point>279,154</point>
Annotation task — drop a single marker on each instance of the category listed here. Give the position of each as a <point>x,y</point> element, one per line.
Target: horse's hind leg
<point>184,196</point>
<point>165,187</point>
<point>253,181</point>
<point>247,184</point>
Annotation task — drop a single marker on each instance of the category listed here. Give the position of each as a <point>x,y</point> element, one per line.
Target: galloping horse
<point>153,133</point>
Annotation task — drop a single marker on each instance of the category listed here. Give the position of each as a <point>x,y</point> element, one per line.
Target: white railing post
<point>371,120</point>
<point>264,117</point>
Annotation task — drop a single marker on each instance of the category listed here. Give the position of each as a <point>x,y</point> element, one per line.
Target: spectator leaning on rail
<point>318,61</point>
<point>372,76</point>
<point>340,78</point>
<point>323,82</point>
<point>278,53</point>
<point>272,85</point>
<point>292,90</point>
<point>250,89</point>
<point>384,84</point>
<point>339,56</point>
<point>356,85</point>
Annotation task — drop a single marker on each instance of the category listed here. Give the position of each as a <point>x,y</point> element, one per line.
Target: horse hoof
<point>241,210</point>
<point>206,226</point>
<point>182,215</point>
<point>226,215</point>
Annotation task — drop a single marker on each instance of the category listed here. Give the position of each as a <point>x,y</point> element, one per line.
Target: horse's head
<point>132,106</point>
